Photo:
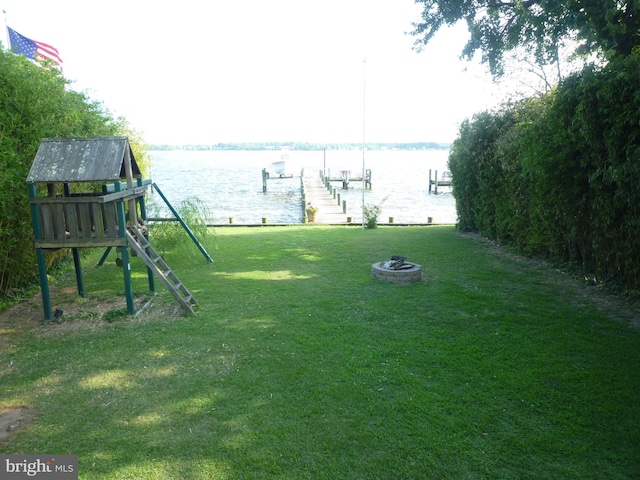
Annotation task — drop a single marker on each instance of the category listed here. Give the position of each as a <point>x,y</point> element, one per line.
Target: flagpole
<point>364,98</point>
<point>6,30</point>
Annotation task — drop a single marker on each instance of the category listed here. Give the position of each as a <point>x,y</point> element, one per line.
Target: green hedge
<point>35,103</point>
<point>559,175</point>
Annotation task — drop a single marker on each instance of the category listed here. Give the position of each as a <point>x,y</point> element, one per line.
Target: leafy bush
<point>35,103</point>
<point>372,213</point>
<point>476,176</point>
<point>559,175</point>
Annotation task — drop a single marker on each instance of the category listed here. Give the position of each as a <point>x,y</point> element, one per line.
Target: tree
<point>35,103</point>
<point>607,27</point>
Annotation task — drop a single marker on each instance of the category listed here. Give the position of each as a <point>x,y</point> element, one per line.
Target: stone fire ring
<point>403,276</point>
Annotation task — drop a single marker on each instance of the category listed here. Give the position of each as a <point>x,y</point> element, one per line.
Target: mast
<point>364,84</point>
<point>6,30</point>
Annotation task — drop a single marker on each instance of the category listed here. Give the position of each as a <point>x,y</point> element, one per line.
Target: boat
<point>280,168</point>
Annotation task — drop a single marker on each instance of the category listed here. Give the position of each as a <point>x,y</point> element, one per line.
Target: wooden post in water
<point>303,205</point>
<point>433,182</point>
<point>265,175</point>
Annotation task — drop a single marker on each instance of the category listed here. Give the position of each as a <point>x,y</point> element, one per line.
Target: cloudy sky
<point>204,72</point>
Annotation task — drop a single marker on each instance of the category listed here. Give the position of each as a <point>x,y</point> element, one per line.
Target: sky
<point>204,72</point>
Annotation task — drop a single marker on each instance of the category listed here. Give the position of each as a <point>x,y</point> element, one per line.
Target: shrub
<point>559,175</point>
<point>35,103</point>
<point>168,235</point>
<point>372,213</point>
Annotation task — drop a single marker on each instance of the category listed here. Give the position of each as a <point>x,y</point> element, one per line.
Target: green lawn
<point>299,365</point>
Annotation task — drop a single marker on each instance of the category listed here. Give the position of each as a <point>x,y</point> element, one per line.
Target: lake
<point>229,183</point>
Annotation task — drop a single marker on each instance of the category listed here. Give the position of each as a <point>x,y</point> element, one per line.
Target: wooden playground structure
<point>113,217</point>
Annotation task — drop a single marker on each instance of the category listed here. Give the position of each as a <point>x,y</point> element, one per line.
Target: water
<point>230,183</point>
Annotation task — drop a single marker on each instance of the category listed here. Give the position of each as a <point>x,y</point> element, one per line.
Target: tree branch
<point>508,3</point>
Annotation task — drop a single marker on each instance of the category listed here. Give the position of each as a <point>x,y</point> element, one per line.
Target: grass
<point>298,365</point>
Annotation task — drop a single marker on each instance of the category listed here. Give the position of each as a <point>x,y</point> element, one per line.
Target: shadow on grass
<point>299,365</point>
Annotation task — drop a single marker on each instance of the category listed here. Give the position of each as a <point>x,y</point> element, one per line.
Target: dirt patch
<point>75,312</point>
<point>13,418</point>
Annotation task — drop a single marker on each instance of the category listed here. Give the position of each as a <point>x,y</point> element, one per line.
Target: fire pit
<point>397,270</point>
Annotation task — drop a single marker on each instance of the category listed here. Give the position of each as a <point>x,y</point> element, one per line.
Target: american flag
<point>33,50</point>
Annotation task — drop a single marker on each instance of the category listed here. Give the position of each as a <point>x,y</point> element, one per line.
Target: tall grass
<point>299,365</point>
<point>171,234</point>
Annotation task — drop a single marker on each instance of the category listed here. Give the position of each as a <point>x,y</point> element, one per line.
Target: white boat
<point>282,167</point>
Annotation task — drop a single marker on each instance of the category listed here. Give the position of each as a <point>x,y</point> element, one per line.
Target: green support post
<point>78,267</point>
<point>104,256</point>
<point>184,225</point>
<point>42,264</point>
<point>126,265</point>
<point>44,285</point>
<point>76,255</point>
<point>143,216</point>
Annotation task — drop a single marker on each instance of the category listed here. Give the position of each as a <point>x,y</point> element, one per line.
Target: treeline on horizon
<point>306,146</point>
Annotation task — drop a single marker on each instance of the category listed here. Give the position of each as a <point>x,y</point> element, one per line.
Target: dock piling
<point>433,181</point>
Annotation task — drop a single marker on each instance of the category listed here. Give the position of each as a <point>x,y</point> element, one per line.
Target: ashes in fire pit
<point>397,270</point>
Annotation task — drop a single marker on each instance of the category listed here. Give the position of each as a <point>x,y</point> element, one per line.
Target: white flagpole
<point>6,30</point>
<point>364,84</point>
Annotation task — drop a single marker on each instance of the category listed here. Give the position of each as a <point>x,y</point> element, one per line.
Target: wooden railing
<point>76,222</point>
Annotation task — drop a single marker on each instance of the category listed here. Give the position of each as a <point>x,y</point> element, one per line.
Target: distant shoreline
<point>306,146</point>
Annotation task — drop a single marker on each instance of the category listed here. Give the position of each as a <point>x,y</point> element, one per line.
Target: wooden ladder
<point>157,264</point>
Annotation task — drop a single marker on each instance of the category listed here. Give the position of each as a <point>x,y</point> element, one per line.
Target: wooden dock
<point>344,176</point>
<point>316,193</point>
<point>444,181</point>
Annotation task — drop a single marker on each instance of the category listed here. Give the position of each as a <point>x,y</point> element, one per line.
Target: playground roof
<point>91,159</point>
